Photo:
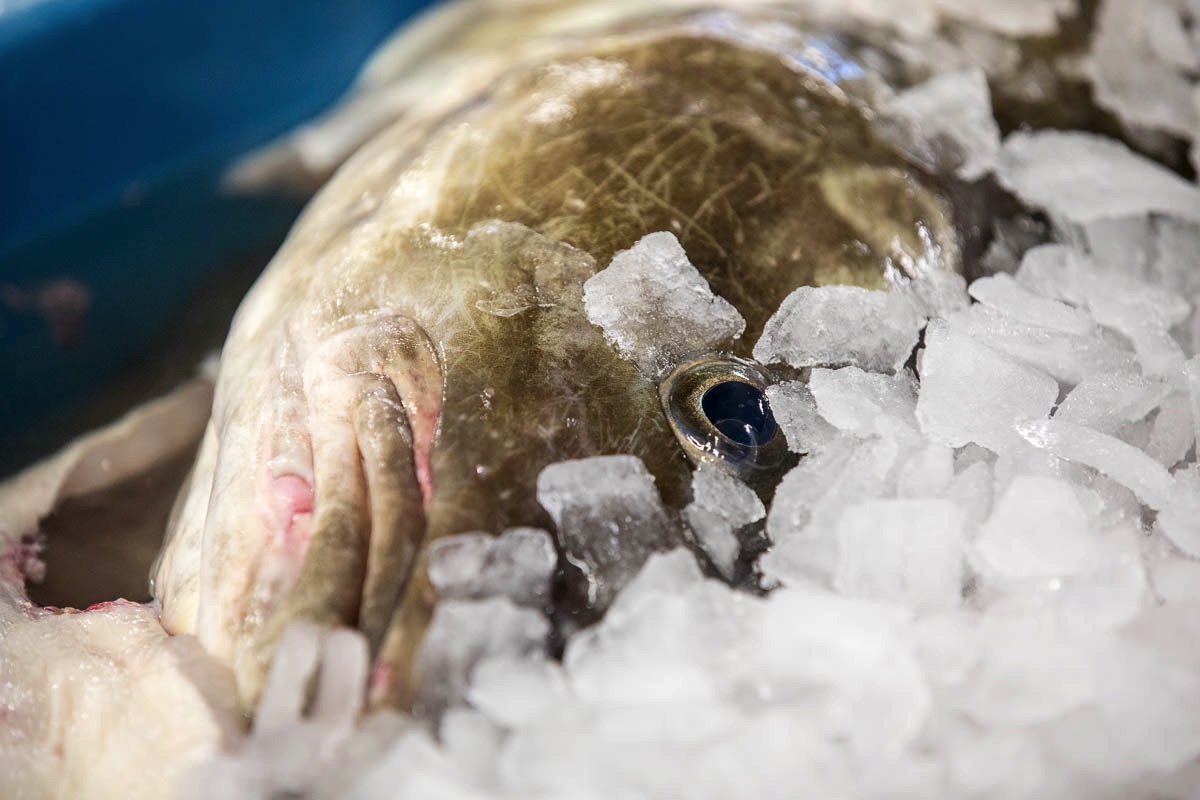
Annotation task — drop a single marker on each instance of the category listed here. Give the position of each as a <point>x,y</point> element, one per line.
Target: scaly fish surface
<point>418,350</point>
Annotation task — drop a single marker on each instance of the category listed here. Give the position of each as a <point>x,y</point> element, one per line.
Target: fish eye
<point>740,412</point>
<point>718,408</point>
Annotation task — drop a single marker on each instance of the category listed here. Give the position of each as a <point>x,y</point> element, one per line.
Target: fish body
<point>419,351</point>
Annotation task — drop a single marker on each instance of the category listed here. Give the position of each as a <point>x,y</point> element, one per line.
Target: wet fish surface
<point>418,351</point>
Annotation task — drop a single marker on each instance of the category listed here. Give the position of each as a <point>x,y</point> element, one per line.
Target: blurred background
<point>121,262</point>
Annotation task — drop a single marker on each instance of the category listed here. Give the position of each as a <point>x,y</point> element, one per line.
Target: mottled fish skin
<point>418,351</point>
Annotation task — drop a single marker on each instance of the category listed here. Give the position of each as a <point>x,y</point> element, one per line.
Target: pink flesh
<point>424,427</point>
<point>290,501</point>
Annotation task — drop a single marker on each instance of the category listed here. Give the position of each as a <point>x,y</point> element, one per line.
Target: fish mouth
<point>330,524</point>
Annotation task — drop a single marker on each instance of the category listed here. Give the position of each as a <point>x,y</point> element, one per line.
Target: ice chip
<point>1064,356</point>
<point>796,412</point>
<point>518,564</point>
<point>1004,294</point>
<point>721,506</point>
<point>1131,73</point>
<point>1119,245</point>
<point>1049,270</point>
<point>716,537</point>
<point>1015,18</point>
<point>670,573</point>
<point>908,552</point>
<point>971,490</point>
<point>971,393</point>
<point>926,473</point>
<point>609,519</point>
<point>995,764</point>
<point>1080,177</point>
<point>1027,673</point>
<point>1191,374</point>
<point>1143,718</point>
<point>810,499</point>
<point>1179,519</point>
<point>462,633</point>
<point>1177,247</point>
<point>1106,401</point>
<point>1038,529</point>
<point>1173,432</point>
<point>656,308</point>
<point>1169,37</point>
<point>865,403</point>
<point>1122,462</point>
<point>839,326</point>
<point>1143,313</point>
<point>936,293</point>
<point>514,691</point>
<point>947,122</point>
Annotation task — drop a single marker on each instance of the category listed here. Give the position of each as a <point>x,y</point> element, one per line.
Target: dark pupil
<point>739,411</point>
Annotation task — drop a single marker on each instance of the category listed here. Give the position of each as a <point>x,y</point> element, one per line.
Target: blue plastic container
<point>116,120</point>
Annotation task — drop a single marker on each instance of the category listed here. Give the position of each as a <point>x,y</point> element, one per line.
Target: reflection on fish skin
<point>479,231</point>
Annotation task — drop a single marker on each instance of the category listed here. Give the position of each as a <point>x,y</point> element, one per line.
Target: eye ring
<point>717,407</point>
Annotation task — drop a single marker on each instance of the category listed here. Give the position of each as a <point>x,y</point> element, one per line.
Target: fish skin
<point>474,236</point>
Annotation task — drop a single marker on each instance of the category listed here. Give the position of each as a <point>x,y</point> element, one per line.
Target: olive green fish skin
<point>481,230</point>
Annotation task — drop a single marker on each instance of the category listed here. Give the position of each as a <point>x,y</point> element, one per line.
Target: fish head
<point>419,350</point>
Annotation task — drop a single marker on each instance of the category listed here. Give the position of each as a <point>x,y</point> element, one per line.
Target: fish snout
<point>328,524</point>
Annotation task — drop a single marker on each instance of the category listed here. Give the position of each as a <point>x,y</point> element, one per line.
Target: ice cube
<point>1038,529</point>
<point>995,763</point>
<point>1122,462</point>
<point>1126,58</point>
<point>1175,578</point>
<point>852,657</point>
<point>1017,18</point>
<point>1110,593</point>
<point>801,522</point>
<point>721,506</point>
<point>946,646</point>
<point>1004,294</point>
<point>518,564</point>
<point>865,403</point>
<point>1049,270</point>
<point>936,293</point>
<point>1173,432</point>
<point>660,641</point>
<point>673,573</point>
<point>838,326</point>
<point>462,633</point>
<point>1179,519</point>
<point>1066,357</point>
<point>1106,401</point>
<point>926,473</point>
<point>609,519</point>
<point>947,122</point>
<point>656,308</point>
<point>795,410</point>
<point>1168,35</point>
<point>1177,247</point>
<point>514,691</point>
<point>471,742</point>
<point>1081,177</point>
<point>971,393</point>
<point>1143,718</point>
<point>1027,673</point>
<point>908,552</point>
<point>971,490</point>
<point>1191,374</point>
<point>1121,245</point>
<point>1143,313</point>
